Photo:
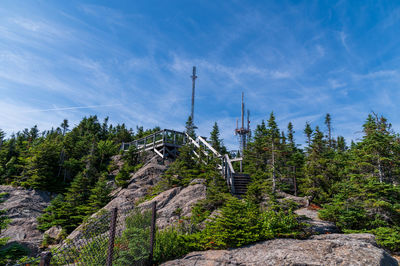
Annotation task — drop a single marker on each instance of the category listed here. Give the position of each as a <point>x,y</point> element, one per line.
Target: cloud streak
<point>72,108</point>
<point>133,63</point>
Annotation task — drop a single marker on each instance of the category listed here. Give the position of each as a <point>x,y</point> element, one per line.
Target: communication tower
<point>194,77</point>
<point>244,131</point>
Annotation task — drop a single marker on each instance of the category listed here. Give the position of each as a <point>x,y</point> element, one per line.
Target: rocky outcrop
<point>300,201</point>
<point>171,204</point>
<point>315,224</point>
<point>176,202</point>
<point>138,185</point>
<point>137,188</point>
<point>54,232</point>
<point>22,207</point>
<point>329,249</point>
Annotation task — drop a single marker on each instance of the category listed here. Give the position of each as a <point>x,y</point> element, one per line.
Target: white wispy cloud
<point>136,68</point>
<point>71,108</point>
<point>378,74</point>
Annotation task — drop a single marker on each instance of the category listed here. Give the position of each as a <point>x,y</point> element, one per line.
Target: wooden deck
<point>166,144</point>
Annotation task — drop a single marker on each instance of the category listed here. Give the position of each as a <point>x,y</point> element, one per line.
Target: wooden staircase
<point>240,182</point>
<point>165,143</point>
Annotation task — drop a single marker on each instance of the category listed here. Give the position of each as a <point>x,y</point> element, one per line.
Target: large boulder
<point>310,217</point>
<point>22,207</point>
<point>54,232</point>
<point>177,202</point>
<point>125,198</point>
<point>329,249</point>
<point>138,185</point>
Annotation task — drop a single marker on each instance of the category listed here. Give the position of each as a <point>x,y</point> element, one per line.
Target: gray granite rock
<point>23,206</point>
<point>315,224</point>
<point>331,249</point>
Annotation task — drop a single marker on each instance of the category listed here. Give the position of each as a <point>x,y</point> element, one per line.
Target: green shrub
<point>134,243</point>
<point>388,238</point>
<point>241,222</point>
<point>12,252</point>
<point>170,244</point>
<point>121,179</point>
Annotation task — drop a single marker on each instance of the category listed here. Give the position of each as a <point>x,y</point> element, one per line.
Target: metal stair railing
<point>157,140</point>
<point>228,172</point>
<point>175,138</point>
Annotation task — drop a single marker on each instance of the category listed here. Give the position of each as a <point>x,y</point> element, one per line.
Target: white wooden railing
<point>158,140</point>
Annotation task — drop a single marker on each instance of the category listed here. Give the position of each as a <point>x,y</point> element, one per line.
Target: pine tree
<point>261,131</point>
<point>308,131</point>
<point>257,155</point>
<point>215,141</point>
<point>42,167</point>
<point>321,169</point>
<point>273,134</point>
<point>283,137</point>
<point>99,195</point>
<point>64,126</point>
<point>33,133</point>
<point>293,160</point>
<point>2,135</point>
<point>329,128</point>
<point>341,144</point>
<point>377,155</point>
<point>290,134</point>
<point>190,128</point>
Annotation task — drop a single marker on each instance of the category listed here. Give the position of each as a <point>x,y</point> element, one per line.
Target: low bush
<point>10,253</point>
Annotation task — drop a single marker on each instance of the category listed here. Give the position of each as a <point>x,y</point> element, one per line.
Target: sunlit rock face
<point>329,249</point>
<point>22,207</point>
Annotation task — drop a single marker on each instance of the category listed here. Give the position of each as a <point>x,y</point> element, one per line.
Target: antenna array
<point>243,131</point>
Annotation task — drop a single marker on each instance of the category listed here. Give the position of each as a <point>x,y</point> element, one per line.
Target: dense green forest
<point>356,184</point>
<point>74,164</point>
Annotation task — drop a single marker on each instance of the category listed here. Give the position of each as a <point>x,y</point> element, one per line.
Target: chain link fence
<point>122,236</point>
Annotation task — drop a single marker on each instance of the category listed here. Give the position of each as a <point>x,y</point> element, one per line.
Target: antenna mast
<point>243,132</point>
<point>194,77</point>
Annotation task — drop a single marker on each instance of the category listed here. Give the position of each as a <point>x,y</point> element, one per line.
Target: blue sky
<point>132,61</point>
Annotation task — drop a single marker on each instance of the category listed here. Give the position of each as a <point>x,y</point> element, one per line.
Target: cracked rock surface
<point>329,249</point>
<point>22,207</point>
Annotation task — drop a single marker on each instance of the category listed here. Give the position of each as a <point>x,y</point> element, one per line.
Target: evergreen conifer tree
<point>273,134</point>
<point>308,131</point>
<point>215,140</point>
<point>99,195</point>
<point>64,126</point>
<point>329,128</point>
<point>290,134</point>
<point>190,128</point>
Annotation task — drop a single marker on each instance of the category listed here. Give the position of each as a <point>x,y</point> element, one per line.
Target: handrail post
<point>163,138</point>
<point>45,258</point>
<point>152,230</point>
<point>110,251</point>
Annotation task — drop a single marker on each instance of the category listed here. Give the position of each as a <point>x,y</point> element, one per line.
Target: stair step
<point>240,183</point>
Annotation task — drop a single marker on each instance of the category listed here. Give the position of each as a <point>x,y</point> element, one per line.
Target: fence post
<point>110,251</point>
<point>45,258</point>
<point>152,230</point>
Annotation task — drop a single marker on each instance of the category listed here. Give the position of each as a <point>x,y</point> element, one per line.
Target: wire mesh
<point>90,243</point>
<point>28,262</point>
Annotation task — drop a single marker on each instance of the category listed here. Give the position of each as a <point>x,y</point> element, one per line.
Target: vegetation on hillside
<point>74,164</point>
<point>356,185</point>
